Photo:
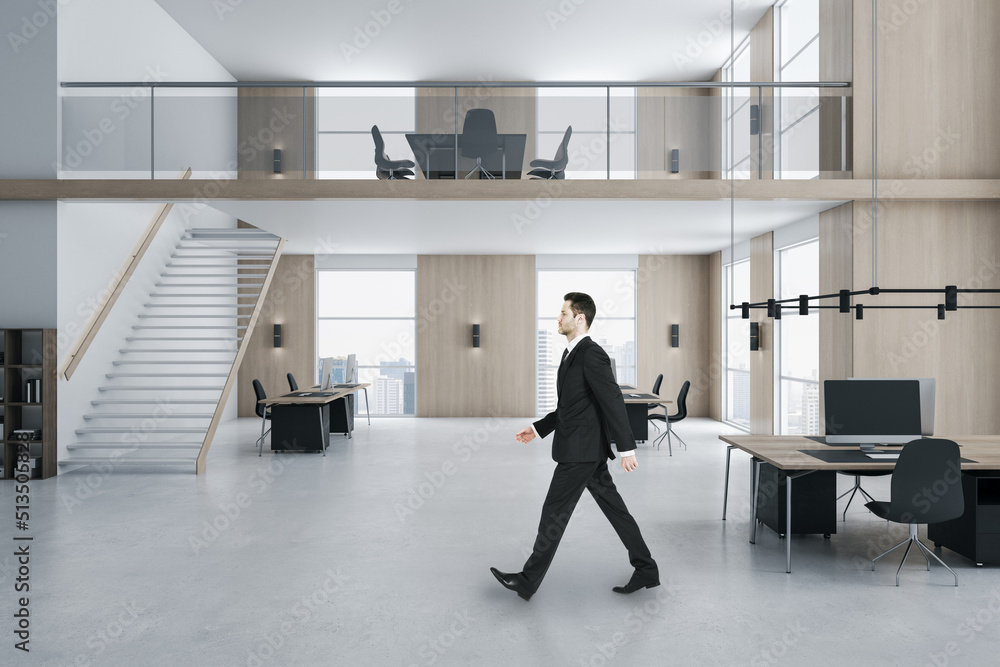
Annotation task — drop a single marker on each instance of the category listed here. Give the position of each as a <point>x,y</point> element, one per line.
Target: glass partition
<point>621,132</point>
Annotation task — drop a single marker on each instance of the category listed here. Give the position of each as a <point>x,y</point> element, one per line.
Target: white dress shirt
<point>569,348</point>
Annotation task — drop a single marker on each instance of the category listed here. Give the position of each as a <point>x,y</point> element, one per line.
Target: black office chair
<point>655,406</point>
<point>292,384</point>
<point>681,413</point>
<point>385,168</point>
<point>262,412</point>
<point>923,466</point>
<point>479,139</point>
<point>556,167</point>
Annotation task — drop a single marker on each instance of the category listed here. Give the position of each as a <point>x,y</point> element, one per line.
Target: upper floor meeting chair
<point>292,384</point>
<point>655,406</point>
<point>262,412</point>
<point>385,168</point>
<point>480,140</point>
<point>556,167</point>
<point>925,465</point>
<point>681,413</point>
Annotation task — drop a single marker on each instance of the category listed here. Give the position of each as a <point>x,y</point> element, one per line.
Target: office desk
<point>638,412</point>
<point>305,420</point>
<point>787,453</point>
<point>436,156</point>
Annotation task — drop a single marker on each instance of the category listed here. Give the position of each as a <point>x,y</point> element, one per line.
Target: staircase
<point>163,395</point>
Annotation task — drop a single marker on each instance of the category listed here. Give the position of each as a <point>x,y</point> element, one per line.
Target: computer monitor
<point>614,369</point>
<point>326,378</point>
<point>872,412</point>
<point>351,373</point>
<point>928,389</point>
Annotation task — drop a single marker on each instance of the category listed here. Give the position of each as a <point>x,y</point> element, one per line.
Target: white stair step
<point>143,446</point>
<point>176,351</point>
<point>238,267</point>
<point>140,401</point>
<point>142,415</point>
<point>131,429</point>
<point>158,387</point>
<point>241,306</point>
<point>240,257</point>
<point>165,375</point>
<point>160,295</point>
<point>190,326</point>
<point>124,460</point>
<point>174,362</point>
<point>149,316</point>
<point>239,285</point>
<point>149,338</point>
<point>208,275</point>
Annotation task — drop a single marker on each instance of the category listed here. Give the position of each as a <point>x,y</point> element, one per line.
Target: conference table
<point>799,456</point>
<point>302,418</point>
<point>636,405</point>
<point>437,158</point>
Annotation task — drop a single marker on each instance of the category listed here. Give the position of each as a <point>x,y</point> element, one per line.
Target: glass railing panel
<point>105,133</point>
<point>193,128</point>
<point>345,146</point>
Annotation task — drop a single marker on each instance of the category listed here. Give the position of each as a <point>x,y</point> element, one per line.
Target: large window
<point>736,346</point>
<point>797,119</point>
<point>614,327</point>
<point>372,314</point>
<point>344,119</point>
<point>736,161</point>
<point>597,149</point>
<point>797,389</point>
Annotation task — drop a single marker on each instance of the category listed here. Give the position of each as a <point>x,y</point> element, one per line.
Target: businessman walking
<point>589,414</point>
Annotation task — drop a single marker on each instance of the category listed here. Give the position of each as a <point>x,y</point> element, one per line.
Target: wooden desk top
<point>645,397</point>
<point>784,453</point>
<point>289,399</point>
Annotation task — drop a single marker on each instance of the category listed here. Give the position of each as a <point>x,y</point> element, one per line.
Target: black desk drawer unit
<point>975,534</point>
<point>814,501</point>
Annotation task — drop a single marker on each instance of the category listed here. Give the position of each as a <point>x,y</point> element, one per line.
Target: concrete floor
<point>379,554</point>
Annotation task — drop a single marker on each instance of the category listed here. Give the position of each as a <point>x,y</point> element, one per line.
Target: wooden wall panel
<point>290,302</point>
<point>715,324</point>
<point>836,62</point>
<point>674,289</point>
<point>762,69</point>
<point>762,361</point>
<point>685,119</point>
<point>836,272</point>
<point>939,76</point>
<point>270,118</point>
<point>930,245</point>
<point>453,293</point>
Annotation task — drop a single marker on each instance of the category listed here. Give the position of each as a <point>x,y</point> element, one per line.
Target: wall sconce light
<point>675,335</point>
<point>277,160</point>
<point>754,336</point>
<point>803,304</point>
<point>859,313</point>
<point>941,309</point>
<point>675,161</point>
<point>475,335</point>
<point>277,335</point>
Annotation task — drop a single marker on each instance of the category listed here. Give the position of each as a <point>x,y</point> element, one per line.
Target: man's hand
<point>525,435</point>
<point>629,463</point>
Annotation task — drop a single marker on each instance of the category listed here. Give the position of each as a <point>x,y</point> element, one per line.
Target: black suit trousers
<point>568,482</point>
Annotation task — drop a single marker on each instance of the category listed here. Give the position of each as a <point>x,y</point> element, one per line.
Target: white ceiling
<point>512,227</point>
<point>428,40</point>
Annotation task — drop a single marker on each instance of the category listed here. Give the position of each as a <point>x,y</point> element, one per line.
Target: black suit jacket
<point>590,411</point>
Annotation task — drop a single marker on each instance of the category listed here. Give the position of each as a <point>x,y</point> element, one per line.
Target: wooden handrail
<point>124,274</point>
<point>231,380</point>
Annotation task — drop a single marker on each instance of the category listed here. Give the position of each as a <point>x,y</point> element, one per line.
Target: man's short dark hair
<point>582,303</point>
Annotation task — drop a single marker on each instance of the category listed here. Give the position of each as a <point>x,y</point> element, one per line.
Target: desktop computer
<point>872,412</point>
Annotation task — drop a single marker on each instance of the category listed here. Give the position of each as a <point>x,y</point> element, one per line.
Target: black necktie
<point>565,353</point>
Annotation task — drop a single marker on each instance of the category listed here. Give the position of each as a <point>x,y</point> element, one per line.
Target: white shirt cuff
<point>631,453</point>
<point>534,431</point>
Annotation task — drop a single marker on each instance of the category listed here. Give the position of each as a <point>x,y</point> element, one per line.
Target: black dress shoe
<point>512,582</point>
<point>636,583</point>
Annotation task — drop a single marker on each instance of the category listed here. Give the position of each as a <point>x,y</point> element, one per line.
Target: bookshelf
<point>28,360</point>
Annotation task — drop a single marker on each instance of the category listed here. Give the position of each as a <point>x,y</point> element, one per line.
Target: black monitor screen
<point>858,411</point>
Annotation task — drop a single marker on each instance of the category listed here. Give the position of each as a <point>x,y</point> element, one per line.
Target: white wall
<point>28,264</point>
<point>106,132</point>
